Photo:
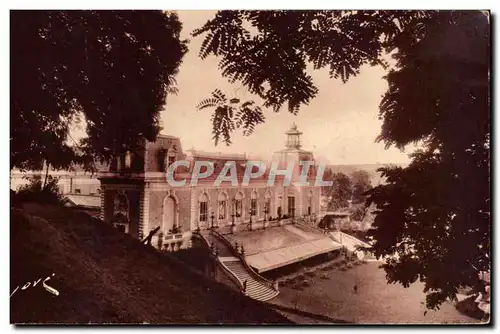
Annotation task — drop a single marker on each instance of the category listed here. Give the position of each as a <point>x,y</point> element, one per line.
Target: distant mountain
<point>370,168</point>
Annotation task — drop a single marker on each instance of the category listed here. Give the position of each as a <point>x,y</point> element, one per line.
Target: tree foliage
<point>114,68</point>
<point>229,115</point>
<point>340,192</point>
<point>38,190</point>
<point>269,51</point>
<point>432,218</point>
<point>361,183</point>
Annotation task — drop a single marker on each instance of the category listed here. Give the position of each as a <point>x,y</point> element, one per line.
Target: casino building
<point>136,197</point>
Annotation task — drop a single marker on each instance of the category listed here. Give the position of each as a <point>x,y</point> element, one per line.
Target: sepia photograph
<point>250,167</point>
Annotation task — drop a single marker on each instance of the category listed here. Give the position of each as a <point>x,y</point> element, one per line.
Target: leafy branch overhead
<point>230,114</point>
<point>269,51</point>
<point>113,67</point>
<point>433,217</point>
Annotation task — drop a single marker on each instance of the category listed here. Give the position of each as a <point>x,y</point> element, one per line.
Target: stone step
<point>255,289</point>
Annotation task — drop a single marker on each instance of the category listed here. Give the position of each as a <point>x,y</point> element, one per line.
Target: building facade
<point>76,182</point>
<point>137,197</point>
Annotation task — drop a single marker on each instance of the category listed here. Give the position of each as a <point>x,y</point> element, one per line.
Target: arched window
<point>121,212</point>
<point>253,203</point>
<point>203,204</point>
<point>267,203</point>
<point>221,206</point>
<point>291,206</point>
<point>238,205</point>
<point>128,159</point>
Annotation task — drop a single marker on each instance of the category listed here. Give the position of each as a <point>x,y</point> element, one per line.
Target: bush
<point>469,307</point>
<point>35,191</point>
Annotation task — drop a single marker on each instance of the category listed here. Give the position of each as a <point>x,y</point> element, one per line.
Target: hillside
<point>103,276</point>
<point>376,178</point>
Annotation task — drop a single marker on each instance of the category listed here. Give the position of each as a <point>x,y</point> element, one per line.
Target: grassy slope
<point>104,276</point>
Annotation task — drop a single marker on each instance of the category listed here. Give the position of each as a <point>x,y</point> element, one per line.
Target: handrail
<point>256,274</point>
<point>243,260</point>
<point>225,241</point>
<point>231,274</point>
<point>202,237</point>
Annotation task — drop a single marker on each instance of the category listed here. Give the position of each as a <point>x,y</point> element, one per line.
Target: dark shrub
<point>35,191</point>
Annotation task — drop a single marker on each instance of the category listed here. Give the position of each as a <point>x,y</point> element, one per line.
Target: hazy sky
<point>339,125</point>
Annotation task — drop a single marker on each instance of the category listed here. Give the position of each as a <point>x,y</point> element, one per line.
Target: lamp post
<point>212,217</point>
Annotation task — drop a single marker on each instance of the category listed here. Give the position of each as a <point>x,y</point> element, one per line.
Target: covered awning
<point>83,201</point>
<point>276,258</point>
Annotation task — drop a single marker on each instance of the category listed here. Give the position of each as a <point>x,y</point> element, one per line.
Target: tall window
<point>121,212</point>
<point>203,208</point>
<point>222,210</point>
<point>253,207</point>
<point>238,208</point>
<point>238,205</point>
<point>253,204</point>
<point>128,159</point>
<point>222,206</point>
<point>291,206</point>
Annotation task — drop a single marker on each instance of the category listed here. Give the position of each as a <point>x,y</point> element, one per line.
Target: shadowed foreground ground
<point>103,276</point>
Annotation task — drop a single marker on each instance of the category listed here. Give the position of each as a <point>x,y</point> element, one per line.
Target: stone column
<point>299,202</point>
<point>101,214</point>
<point>193,211</point>
<point>144,212</point>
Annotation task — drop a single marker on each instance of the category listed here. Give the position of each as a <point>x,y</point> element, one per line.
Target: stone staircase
<point>255,288</point>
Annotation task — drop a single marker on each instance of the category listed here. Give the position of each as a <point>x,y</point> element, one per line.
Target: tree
<point>36,190</point>
<point>230,115</point>
<point>270,59</point>
<point>70,64</point>
<point>433,217</point>
<point>361,183</point>
<point>340,192</point>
